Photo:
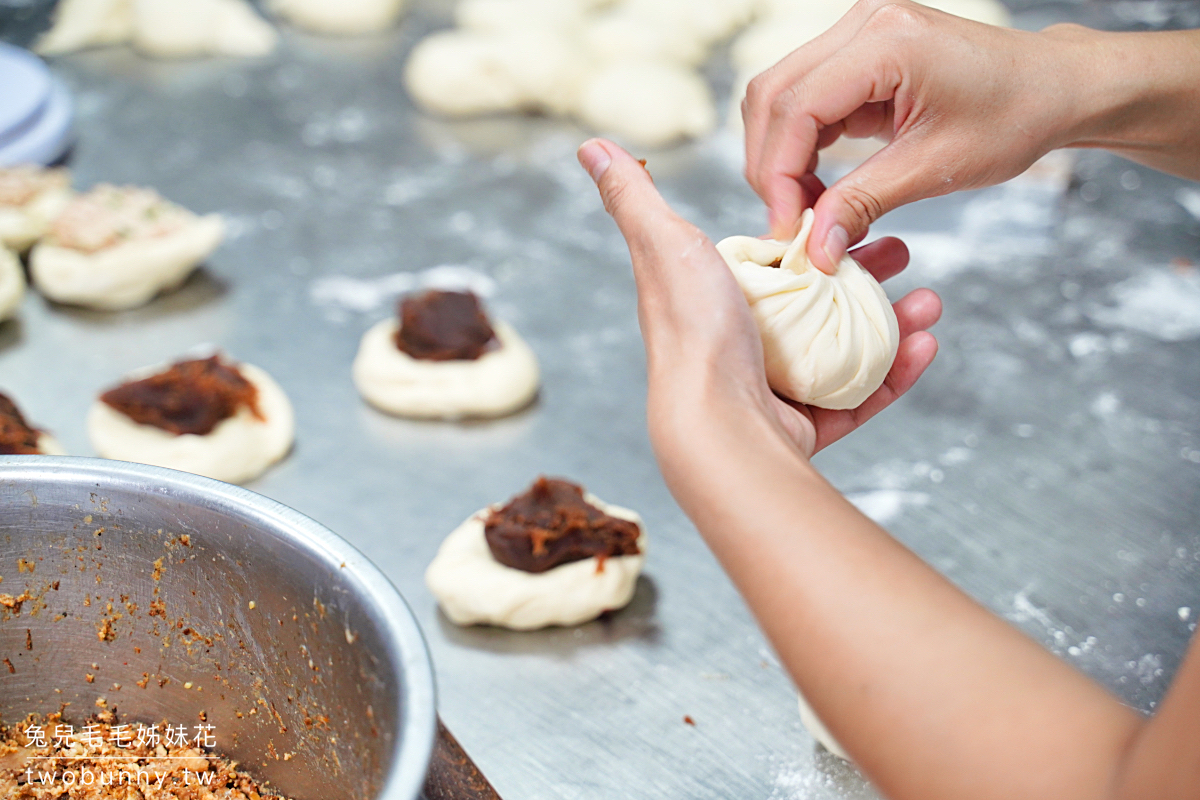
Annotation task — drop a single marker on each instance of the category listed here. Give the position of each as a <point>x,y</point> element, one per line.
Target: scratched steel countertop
<point>1047,464</point>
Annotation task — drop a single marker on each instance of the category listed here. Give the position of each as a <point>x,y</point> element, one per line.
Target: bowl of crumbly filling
<point>164,635</point>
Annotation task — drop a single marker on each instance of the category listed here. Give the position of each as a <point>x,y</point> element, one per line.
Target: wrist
<point>1131,91</point>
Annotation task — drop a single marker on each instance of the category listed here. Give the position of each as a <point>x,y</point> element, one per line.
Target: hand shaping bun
<point>828,341</point>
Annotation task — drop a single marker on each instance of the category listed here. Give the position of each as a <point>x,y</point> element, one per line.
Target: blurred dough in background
<point>31,197</point>
<point>12,283</point>
<point>339,16</point>
<point>160,28</point>
<point>623,67</point>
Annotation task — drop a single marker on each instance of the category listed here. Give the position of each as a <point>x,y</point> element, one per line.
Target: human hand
<point>962,104</point>
<point>704,352</point>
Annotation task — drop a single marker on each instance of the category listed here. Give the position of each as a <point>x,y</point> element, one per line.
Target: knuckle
<point>786,103</point>
<point>614,193</point>
<point>891,16</point>
<point>865,207</point>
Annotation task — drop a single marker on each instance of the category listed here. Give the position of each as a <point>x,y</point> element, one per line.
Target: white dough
<point>161,28</point>
<point>128,274</point>
<point>474,588</point>
<point>237,450</point>
<point>828,341</point>
<point>497,383</point>
<point>501,15</point>
<point>79,24</point>
<point>341,17</point>
<point>626,34</point>
<point>818,730</point>
<point>12,283</point>
<point>49,446</point>
<point>30,199</point>
<point>465,73</point>
<point>648,103</point>
<point>185,28</point>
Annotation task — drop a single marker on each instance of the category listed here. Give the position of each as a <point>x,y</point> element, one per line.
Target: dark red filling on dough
<point>551,524</point>
<point>16,437</point>
<point>444,326</point>
<point>188,397</point>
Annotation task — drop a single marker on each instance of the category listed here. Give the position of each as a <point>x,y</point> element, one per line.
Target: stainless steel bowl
<point>181,596</point>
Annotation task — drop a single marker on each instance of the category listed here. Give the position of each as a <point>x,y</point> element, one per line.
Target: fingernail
<point>836,243</point>
<point>595,159</point>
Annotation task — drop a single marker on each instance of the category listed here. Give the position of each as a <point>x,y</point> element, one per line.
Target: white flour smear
<point>884,505</point>
<point>1161,303</point>
<point>343,293</point>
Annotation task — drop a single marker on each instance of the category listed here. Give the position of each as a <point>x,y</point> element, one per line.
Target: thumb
<point>845,212</point>
<point>627,190</point>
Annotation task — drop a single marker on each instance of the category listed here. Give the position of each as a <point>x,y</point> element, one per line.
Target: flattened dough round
<point>473,588</point>
<point>497,383</point>
<point>125,275</point>
<point>237,450</point>
<point>12,283</point>
<point>828,341</point>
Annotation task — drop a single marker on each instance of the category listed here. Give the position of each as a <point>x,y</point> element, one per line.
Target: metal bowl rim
<point>418,698</point>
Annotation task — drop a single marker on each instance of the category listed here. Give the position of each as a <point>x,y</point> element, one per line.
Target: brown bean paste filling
<point>444,326</point>
<point>189,397</point>
<point>552,524</point>
<point>16,437</point>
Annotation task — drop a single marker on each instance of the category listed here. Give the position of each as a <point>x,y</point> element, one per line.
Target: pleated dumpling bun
<point>829,341</point>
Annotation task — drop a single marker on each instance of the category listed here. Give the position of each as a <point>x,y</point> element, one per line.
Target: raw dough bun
<point>12,283</point>
<point>160,28</point>
<point>503,15</point>
<point>818,730</point>
<point>497,383</point>
<point>126,275</point>
<point>184,28</point>
<point>828,341</point>
<point>340,16</point>
<point>626,34</point>
<point>237,450</point>
<point>464,73</point>
<point>79,24</point>
<point>22,225</point>
<point>648,103</point>
<point>474,588</point>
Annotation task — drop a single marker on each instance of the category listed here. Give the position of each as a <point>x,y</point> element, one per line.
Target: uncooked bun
<point>649,103</point>
<point>828,341</point>
<point>237,450</point>
<point>341,17</point>
<point>473,588</point>
<point>497,383</point>
<point>12,283</point>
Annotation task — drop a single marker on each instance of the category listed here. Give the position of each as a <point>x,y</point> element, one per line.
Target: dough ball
<point>12,283</point>
<point>817,729</point>
<point>465,73</point>
<point>499,382</point>
<point>340,16</point>
<point>116,248</point>
<point>79,24</point>
<point>505,15</point>
<point>31,197</point>
<point>473,588</point>
<point>184,28</point>
<point>626,34</point>
<point>829,341</point>
<point>237,450</point>
<point>647,103</point>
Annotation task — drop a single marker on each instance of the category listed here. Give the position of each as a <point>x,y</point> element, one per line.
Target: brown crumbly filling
<point>16,437</point>
<point>101,770</point>
<point>444,326</point>
<point>188,397</point>
<point>552,524</point>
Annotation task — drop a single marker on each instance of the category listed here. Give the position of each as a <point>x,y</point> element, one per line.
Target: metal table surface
<point>1047,463</point>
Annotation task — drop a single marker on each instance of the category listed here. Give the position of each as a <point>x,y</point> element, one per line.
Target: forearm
<point>933,696</point>
<point>1138,94</point>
